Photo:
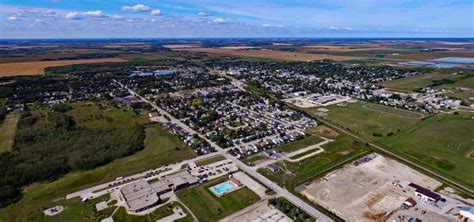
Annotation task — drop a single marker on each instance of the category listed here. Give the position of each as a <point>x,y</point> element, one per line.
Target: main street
<point>252,172</point>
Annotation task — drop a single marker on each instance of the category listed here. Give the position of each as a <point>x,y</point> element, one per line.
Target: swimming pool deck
<point>224,188</point>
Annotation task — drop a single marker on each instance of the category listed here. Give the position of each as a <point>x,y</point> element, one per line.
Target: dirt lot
<point>37,68</point>
<point>270,54</point>
<point>365,192</point>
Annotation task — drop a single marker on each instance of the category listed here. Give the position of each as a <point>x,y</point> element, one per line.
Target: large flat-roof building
<point>139,196</point>
<point>425,194</point>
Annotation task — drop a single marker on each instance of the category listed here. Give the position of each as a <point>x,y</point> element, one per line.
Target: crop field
<point>270,54</point>
<point>7,129</point>
<point>208,207</point>
<point>442,142</point>
<point>423,56</point>
<point>372,121</point>
<point>161,148</point>
<point>342,149</point>
<point>37,68</point>
<point>411,83</point>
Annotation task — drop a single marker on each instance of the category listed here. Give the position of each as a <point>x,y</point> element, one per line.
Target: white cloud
<point>136,8</point>
<point>72,15</point>
<point>117,17</point>
<point>266,25</point>
<point>219,21</point>
<point>13,18</point>
<point>97,13</point>
<point>334,28</point>
<point>202,14</point>
<point>346,28</point>
<point>155,12</point>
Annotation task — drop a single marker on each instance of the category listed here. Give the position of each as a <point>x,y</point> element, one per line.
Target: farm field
<point>371,121</point>
<point>161,148</point>
<point>342,149</point>
<point>37,68</point>
<point>7,129</point>
<point>208,207</point>
<point>412,83</point>
<point>442,142</point>
<point>423,56</point>
<point>270,54</point>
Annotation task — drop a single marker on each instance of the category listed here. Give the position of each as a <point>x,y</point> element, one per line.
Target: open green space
<point>254,158</point>
<point>371,121</point>
<point>208,207</point>
<point>299,144</point>
<point>164,211</point>
<point>465,82</point>
<point>74,211</point>
<point>212,159</point>
<point>7,129</point>
<point>343,148</point>
<point>412,83</point>
<point>161,148</point>
<point>443,142</point>
<point>100,115</point>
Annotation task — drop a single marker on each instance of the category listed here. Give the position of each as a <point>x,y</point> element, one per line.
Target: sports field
<point>443,142</point>
<point>372,121</point>
<point>208,207</point>
<point>161,148</point>
<point>7,129</point>
<point>412,83</point>
<point>37,67</point>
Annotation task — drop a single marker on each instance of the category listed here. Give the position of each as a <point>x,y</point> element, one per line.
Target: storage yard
<point>368,189</point>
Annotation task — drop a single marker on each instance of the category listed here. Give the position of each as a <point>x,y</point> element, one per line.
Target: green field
<point>92,115</point>
<point>342,149</point>
<point>298,144</point>
<point>208,207</point>
<point>77,211</point>
<point>366,119</point>
<point>465,82</point>
<point>443,143</point>
<point>412,83</point>
<point>254,158</point>
<point>212,159</point>
<point>161,148</point>
<point>7,129</point>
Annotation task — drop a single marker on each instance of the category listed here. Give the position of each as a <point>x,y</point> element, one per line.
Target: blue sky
<point>235,18</point>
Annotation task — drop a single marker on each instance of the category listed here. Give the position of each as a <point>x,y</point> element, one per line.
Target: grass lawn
<point>208,207</point>
<point>7,129</point>
<point>443,143</point>
<point>212,159</point>
<point>161,148</point>
<point>298,144</point>
<point>164,211</point>
<point>412,83</point>
<point>252,159</point>
<point>366,119</point>
<point>343,148</point>
<point>75,211</point>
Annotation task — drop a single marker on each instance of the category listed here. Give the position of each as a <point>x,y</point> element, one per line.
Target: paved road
<point>252,172</point>
<point>462,187</point>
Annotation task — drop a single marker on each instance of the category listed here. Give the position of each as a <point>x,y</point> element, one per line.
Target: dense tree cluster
<point>46,147</point>
<point>290,210</point>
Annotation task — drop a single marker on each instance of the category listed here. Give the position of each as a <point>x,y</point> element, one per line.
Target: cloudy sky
<point>235,18</point>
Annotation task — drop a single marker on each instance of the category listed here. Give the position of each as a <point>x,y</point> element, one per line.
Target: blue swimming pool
<point>223,188</point>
